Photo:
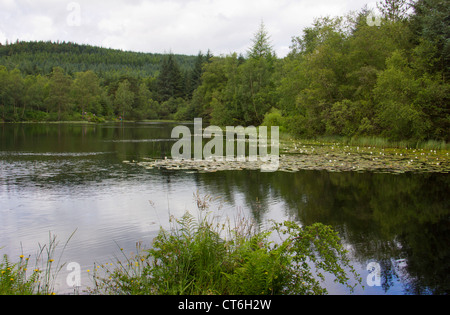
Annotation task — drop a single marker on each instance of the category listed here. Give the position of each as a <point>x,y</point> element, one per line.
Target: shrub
<point>201,257</point>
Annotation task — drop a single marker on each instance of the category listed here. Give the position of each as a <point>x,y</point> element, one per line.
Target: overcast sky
<point>158,26</point>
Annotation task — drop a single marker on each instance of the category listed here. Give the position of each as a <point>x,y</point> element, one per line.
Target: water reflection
<point>64,177</point>
<point>402,221</point>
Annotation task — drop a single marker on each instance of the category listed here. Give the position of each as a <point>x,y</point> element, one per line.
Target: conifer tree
<point>170,80</point>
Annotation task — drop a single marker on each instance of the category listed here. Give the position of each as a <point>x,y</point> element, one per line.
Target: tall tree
<point>256,75</point>
<point>124,98</point>
<point>170,80</point>
<point>59,99</point>
<point>394,10</point>
<point>261,45</point>
<point>430,23</point>
<point>196,74</point>
<point>86,92</point>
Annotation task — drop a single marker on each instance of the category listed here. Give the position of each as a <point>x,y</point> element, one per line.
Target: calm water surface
<point>71,177</point>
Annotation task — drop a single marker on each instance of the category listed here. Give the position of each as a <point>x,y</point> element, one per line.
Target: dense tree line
<point>364,74</point>
<point>90,83</point>
<point>33,58</point>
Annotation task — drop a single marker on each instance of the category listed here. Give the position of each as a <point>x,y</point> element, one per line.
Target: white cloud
<point>182,26</point>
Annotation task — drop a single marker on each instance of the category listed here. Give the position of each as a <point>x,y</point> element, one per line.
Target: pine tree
<point>262,47</point>
<point>170,80</point>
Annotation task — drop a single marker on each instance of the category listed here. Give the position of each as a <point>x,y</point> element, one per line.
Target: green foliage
<point>205,257</point>
<point>393,10</point>
<point>239,91</point>
<point>13,277</point>
<point>274,118</point>
<point>33,58</point>
<point>124,98</point>
<point>42,81</point>
<point>170,80</point>
<point>22,279</point>
<point>343,77</point>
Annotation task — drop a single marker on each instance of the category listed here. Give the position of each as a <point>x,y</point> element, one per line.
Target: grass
<point>378,142</point>
<point>21,278</point>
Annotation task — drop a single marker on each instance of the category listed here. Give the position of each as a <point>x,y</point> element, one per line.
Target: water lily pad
<point>334,157</point>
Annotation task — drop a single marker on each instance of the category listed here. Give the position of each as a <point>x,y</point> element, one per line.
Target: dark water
<point>61,178</point>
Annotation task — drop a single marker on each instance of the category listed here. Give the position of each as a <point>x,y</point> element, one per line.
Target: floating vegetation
<point>334,157</point>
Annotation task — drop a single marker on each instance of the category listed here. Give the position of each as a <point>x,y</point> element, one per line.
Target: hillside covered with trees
<point>364,74</point>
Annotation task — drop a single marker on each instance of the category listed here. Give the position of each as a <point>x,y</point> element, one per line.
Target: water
<point>63,178</point>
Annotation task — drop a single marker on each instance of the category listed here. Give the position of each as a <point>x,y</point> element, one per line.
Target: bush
<point>274,118</point>
<point>200,257</point>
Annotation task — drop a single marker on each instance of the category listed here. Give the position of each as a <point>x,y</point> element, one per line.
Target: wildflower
<point>21,256</point>
<point>51,260</point>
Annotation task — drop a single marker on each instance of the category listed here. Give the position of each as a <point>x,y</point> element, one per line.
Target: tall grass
<point>378,142</point>
<point>21,278</point>
<point>385,143</point>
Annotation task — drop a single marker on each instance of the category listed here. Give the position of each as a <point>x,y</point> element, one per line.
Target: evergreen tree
<point>170,80</point>
<point>430,23</point>
<point>196,74</point>
<point>261,45</point>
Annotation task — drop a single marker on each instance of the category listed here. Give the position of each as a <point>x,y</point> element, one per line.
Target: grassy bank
<point>365,141</point>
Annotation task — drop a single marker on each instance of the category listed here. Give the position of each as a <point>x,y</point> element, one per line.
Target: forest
<point>367,73</point>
